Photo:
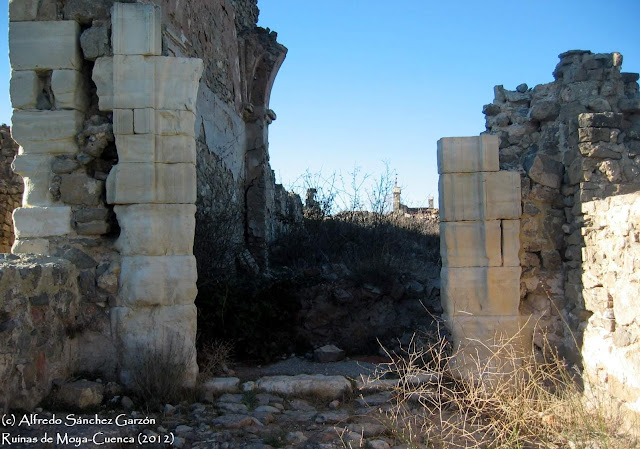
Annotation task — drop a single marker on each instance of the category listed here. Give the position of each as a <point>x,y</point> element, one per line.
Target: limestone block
<point>23,10</point>
<point>41,221</point>
<point>167,332</point>
<point>24,89</point>
<point>31,246</point>
<point>175,123</point>
<point>35,170</point>
<point>177,81</point>
<point>102,76</point>
<point>147,281</point>
<point>132,183</point>
<point>470,244</point>
<point>136,147</point>
<point>45,45</point>
<point>133,82</point>
<point>480,291</point>
<point>490,330</point>
<point>69,89</point>
<point>502,195</point>
<point>122,121</point>
<point>317,385</point>
<point>510,243</point>
<point>479,196</point>
<point>468,154</point>
<point>51,132</point>
<point>172,149</point>
<point>156,229</point>
<point>144,121</point>
<point>626,305</point>
<point>461,197</point>
<point>136,29</point>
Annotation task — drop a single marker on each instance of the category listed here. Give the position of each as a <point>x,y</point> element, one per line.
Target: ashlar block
<point>41,221</point>
<point>133,82</point>
<point>168,332</point>
<point>470,244</point>
<point>45,45</point>
<point>172,149</point>
<point>177,83</point>
<point>479,196</point>
<point>173,123</point>
<point>510,243</point>
<point>136,147</point>
<point>69,89</point>
<point>24,89</point>
<point>480,291</point>
<point>147,281</point>
<point>122,121</point>
<point>31,246</point>
<point>23,10</point>
<point>52,132</point>
<point>102,76</point>
<point>133,183</point>
<point>35,170</point>
<point>136,29</point>
<point>468,154</point>
<point>156,229</point>
<point>144,121</point>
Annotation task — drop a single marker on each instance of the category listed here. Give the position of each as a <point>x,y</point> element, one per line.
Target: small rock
<point>219,385</point>
<point>295,438</point>
<point>334,404</point>
<point>179,442</point>
<point>267,409</point>
<point>169,409</point>
<point>522,88</point>
<point>378,444</point>
<point>126,403</point>
<point>299,404</point>
<point>232,407</point>
<point>182,429</point>
<point>328,353</point>
<point>82,394</point>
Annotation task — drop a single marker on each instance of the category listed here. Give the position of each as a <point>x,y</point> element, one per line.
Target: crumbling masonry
<point>127,140</point>
<point>574,145</point>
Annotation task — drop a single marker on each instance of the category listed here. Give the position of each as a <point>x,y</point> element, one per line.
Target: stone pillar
<point>48,98</point>
<point>479,244</point>
<point>153,188</point>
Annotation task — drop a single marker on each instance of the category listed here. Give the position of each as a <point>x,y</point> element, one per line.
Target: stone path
<point>304,411</point>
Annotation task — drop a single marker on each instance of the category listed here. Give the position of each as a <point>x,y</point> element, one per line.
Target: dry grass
<point>214,358</point>
<point>507,400</point>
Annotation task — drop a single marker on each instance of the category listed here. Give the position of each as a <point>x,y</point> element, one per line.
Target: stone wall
<point>575,142</point>
<point>11,188</point>
<point>39,319</point>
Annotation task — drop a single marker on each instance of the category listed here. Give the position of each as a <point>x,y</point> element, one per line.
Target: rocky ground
<point>310,411</point>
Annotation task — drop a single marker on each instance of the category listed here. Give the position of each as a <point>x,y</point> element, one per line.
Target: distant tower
<point>431,202</point>
<point>396,197</point>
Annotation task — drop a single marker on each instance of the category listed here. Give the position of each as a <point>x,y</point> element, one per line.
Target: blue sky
<point>367,81</point>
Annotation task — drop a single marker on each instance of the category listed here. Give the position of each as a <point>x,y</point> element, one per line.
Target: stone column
<point>479,244</point>
<point>153,188</point>
<point>48,98</point>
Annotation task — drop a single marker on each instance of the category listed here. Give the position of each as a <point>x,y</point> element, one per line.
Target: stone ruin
<point>125,137</point>
<point>568,151</point>
<point>132,118</point>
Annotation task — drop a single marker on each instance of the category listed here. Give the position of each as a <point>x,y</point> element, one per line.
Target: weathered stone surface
<point>545,110</point>
<point>44,45</point>
<point>81,394</point>
<point>80,189</point>
<point>31,246</point>
<point>131,183</point>
<point>177,83</point>
<point>51,132</point>
<point>123,124</point>
<point>23,10</point>
<point>601,120</point>
<point>468,154</point>
<point>328,387</point>
<point>170,123</point>
<point>157,281</point>
<point>168,331</point>
<point>42,221</point>
<point>151,229</point>
<point>144,121</point>
<point>544,170</point>
<point>482,291</point>
<point>137,29</point>
<point>510,243</point>
<point>328,353</point>
<point>133,81</point>
<point>479,196</point>
<point>102,76</point>
<point>24,89</point>
<point>69,89</point>
<point>219,385</point>
<point>471,244</point>
<point>94,42</point>
<point>35,172</point>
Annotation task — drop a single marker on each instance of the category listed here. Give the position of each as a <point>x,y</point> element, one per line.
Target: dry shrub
<point>509,400</point>
<point>160,375</point>
<point>214,358</point>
